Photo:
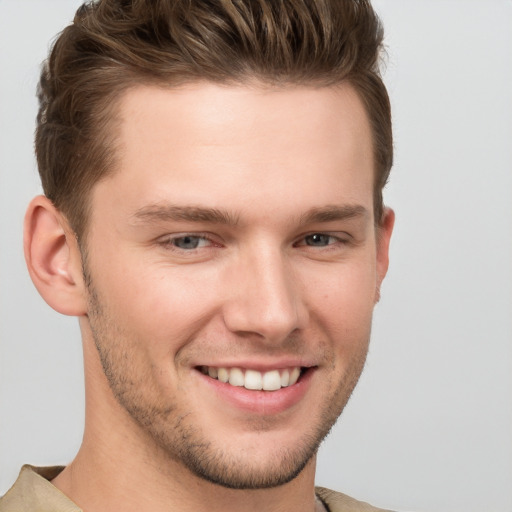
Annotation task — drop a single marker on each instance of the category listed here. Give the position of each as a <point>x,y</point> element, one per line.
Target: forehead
<point>236,144</point>
<point>209,114</point>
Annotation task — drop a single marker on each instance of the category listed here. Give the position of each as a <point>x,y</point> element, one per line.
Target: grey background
<point>430,425</point>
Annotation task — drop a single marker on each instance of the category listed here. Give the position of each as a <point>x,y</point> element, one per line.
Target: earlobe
<point>53,258</point>
<point>383,239</point>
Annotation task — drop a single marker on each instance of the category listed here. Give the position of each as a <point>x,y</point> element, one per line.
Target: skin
<point>250,175</point>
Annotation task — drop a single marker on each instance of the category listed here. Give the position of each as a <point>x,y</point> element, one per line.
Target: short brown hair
<point>115,44</point>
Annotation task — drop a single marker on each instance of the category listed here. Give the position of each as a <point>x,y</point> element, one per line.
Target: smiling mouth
<point>272,380</point>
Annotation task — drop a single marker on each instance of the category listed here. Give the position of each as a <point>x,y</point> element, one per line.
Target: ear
<point>53,258</point>
<point>383,238</point>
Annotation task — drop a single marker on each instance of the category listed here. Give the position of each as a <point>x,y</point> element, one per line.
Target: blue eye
<point>318,240</point>
<point>189,242</point>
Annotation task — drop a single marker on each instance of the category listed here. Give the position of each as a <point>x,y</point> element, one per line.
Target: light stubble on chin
<point>175,434</point>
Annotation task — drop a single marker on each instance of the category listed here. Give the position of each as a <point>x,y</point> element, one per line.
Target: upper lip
<point>262,366</point>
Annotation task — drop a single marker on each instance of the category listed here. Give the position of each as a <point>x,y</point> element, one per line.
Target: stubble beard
<point>178,439</point>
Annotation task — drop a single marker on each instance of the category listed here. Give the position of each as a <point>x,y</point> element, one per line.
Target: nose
<point>265,297</point>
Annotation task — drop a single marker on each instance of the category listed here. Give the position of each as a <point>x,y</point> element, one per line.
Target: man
<point>213,215</point>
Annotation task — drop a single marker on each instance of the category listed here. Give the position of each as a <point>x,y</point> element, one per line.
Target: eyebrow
<point>169,212</point>
<point>331,213</point>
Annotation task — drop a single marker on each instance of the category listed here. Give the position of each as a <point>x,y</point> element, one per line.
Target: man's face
<point>235,242</point>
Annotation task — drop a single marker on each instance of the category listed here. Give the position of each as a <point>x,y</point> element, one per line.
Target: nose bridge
<point>266,296</point>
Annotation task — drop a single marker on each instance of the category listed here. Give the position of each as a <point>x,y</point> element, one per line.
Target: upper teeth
<point>253,379</point>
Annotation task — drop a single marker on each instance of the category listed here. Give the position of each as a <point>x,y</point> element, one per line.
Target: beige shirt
<point>33,492</point>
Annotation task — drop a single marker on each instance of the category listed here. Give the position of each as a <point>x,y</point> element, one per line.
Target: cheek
<point>160,304</point>
<point>347,288</point>
<point>342,302</point>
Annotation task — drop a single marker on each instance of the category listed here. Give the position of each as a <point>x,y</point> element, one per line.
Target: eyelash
<point>335,240</point>
<point>169,243</point>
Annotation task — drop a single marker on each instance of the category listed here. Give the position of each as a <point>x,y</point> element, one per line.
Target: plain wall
<point>430,425</point>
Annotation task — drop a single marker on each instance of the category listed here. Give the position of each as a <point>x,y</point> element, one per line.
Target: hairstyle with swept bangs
<point>113,45</point>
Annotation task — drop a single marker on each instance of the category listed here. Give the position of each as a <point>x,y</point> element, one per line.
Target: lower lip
<point>261,402</point>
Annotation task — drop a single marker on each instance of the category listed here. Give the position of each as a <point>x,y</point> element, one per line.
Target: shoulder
<point>338,502</point>
<point>34,491</point>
